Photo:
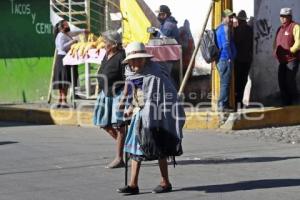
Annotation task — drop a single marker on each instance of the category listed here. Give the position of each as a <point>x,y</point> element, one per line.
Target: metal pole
<point>51,79</point>
<point>87,80</point>
<point>106,15</point>
<point>73,87</point>
<point>88,14</point>
<point>70,11</point>
<point>189,69</point>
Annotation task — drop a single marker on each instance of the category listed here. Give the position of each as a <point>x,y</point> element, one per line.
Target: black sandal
<point>128,190</point>
<point>161,189</point>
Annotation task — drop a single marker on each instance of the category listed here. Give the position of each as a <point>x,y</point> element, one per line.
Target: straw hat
<point>136,50</point>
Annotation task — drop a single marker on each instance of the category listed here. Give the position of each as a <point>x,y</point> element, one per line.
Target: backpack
<point>209,49</point>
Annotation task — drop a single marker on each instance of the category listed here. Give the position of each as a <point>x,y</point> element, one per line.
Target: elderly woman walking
<point>111,83</point>
<point>155,132</point>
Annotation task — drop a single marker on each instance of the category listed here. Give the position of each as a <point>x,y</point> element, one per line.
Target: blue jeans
<point>225,69</point>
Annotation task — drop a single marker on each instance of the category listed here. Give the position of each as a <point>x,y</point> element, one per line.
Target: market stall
<point>167,55</point>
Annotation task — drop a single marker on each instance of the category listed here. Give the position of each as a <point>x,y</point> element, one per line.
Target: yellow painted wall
<point>219,6</point>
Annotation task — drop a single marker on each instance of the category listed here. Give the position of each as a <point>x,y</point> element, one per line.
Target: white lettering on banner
<point>20,8</point>
<point>24,8</point>
<point>33,17</point>
<point>42,28</point>
<point>12,6</point>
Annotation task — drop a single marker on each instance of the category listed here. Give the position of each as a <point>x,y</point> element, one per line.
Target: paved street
<point>67,163</point>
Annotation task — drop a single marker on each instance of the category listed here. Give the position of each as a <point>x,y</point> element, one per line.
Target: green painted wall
<point>26,50</point>
<point>25,29</point>
<point>24,79</point>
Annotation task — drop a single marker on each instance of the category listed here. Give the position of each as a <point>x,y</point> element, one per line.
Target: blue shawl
<point>162,109</point>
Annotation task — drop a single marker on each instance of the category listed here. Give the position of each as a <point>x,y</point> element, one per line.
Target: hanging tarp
<point>135,22</point>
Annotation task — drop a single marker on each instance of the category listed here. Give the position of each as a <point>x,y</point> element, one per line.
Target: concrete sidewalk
<point>67,162</point>
<point>196,118</point>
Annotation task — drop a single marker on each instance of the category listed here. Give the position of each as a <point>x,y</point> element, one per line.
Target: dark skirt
<point>62,74</point>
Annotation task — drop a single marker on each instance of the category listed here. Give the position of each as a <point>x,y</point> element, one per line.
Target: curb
<point>246,119</point>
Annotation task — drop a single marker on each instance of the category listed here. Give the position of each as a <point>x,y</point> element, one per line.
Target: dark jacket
<point>113,70</point>
<point>169,28</point>
<point>243,40</point>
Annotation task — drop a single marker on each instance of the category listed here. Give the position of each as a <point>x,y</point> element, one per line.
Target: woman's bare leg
<point>135,170</point>
<point>120,142</point>
<point>119,135</point>
<point>112,132</point>
<point>60,96</point>
<point>133,186</point>
<point>163,166</point>
<point>64,94</point>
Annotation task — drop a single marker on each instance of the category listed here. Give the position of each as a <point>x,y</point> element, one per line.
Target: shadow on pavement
<point>208,161</point>
<point>245,185</point>
<point>215,161</point>
<point>14,124</point>
<point>26,115</point>
<point>7,124</point>
<point>7,142</point>
<point>126,195</point>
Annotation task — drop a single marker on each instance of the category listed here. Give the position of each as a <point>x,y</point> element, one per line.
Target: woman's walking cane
<point>126,157</point>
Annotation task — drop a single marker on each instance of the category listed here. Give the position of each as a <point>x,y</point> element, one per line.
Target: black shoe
<point>128,190</point>
<point>76,96</point>
<point>57,106</point>
<point>65,105</point>
<point>161,189</point>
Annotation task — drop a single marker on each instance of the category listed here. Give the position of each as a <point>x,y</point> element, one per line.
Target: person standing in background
<point>227,54</point>
<point>168,24</point>
<point>243,40</point>
<point>62,73</point>
<point>187,43</point>
<point>235,21</point>
<point>287,52</point>
<point>111,78</point>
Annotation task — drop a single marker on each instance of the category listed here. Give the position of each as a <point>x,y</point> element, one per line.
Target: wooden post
<point>189,69</point>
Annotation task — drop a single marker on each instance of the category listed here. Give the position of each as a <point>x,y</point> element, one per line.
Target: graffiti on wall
<point>262,34</point>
